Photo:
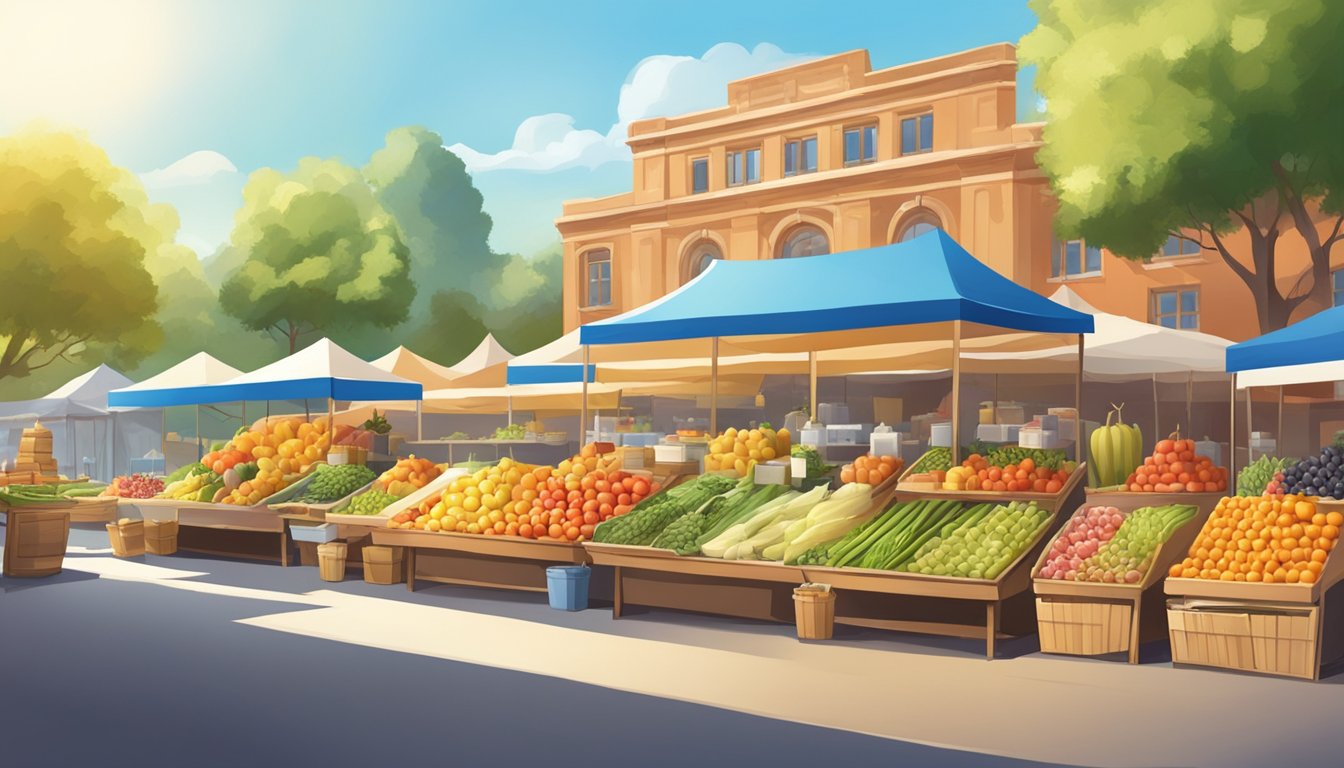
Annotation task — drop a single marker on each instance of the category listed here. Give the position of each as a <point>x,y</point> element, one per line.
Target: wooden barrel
<point>35,542</point>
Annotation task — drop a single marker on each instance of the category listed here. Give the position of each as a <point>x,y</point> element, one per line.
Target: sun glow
<point>83,63</point>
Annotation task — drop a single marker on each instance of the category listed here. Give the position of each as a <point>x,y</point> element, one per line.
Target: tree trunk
<point>293,337</point>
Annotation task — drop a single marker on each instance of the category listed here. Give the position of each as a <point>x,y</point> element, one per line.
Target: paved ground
<point>189,661</point>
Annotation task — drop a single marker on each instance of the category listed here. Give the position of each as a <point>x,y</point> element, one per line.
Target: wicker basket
<point>161,537</point>
<point>128,538</point>
<point>814,612</point>
<point>331,560</point>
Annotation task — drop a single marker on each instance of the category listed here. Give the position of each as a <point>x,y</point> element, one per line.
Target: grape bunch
<point>370,502</point>
<point>336,482</point>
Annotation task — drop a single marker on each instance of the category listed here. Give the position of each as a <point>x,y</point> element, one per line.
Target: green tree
<point>439,211</point>
<point>74,234</point>
<point>319,255</point>
<point>453,328</point>
<point>532,309</point>
<point>1195,120</point>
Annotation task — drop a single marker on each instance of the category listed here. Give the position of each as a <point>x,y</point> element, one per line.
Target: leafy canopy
<point>1165,114</point>
<point>75,231</point>
<point>320,254</point>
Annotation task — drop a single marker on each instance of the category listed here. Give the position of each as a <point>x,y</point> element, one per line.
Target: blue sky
<point>236,86</point>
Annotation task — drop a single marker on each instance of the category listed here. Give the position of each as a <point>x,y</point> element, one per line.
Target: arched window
<point>919,223</point>
<point>804,240</point>
<point>698,258</point>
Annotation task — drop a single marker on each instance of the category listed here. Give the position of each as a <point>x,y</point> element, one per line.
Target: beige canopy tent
<point>408,365</point>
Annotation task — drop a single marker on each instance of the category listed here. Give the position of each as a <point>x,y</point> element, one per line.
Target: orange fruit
<point>1307,577</point>
<point>1330,530</point>
<point>1334,518</point>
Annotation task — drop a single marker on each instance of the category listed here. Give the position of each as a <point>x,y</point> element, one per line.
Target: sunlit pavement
<point>197,661</point>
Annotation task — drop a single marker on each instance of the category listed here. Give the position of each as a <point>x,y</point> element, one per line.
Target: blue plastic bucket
<point>567,587</point>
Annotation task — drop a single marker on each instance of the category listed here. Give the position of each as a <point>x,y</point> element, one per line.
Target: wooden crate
<point>35,542</point>
<point>1083,628</point>
<point>1082,618</point>
<point>1265,638</point>
<point>1050,501</point>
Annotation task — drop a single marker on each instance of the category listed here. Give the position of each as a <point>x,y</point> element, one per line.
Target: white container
<point>884,442</point>
<point>314,534</point>
<point>773,473</point>
<point>676,453</point>
<point>1031,438</point>
<point>998,433</point>
<point>844,434</point>
<point>798,466</point>
<point>941,435</point>
<point>1048,421</point>
<point>814,436</point>
<point>1213,450</point>
<point>833,413</point>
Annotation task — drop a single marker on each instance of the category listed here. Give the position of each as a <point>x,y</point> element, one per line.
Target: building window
<point>698,259</point>
<point>1337,278</point>
<point>917,134</point>
<point>1177,247</point>
<point>699,175</point>
<point>805,240</point>
<point>921,222</point>
<point>860,144</point>
<point>1177,308</point>
<point>1074,258</point>
<point>744,167</point>
<point>800,156</point>
<point>597,267</point>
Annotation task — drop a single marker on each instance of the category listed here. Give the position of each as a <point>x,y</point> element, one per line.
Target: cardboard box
<point>775,472</point>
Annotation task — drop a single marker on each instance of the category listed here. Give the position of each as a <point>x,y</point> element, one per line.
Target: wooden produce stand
<point>297,514</point>
<point>476,560</point>
<point>660,578</point>
<point>1093,619</point>
<point>35,539</point>
<point>94,509</point>
<point>1273,629</point>
<point>249,533</point>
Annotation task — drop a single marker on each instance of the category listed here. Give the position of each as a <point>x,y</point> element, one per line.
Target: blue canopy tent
<point>909,291</point>
<point>1308,351</point>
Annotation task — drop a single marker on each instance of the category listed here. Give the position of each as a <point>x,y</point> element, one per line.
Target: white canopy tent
<point>87,436</point>
<point>199,370</point>
<point>408,365</point>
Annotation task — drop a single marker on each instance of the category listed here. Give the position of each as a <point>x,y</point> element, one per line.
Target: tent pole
<point>163,436</point>
<point>1078,441</point>
<point>1250,399</point>
<point>994,406</point>
<point>1232,426</point>
<point>1190,405</point>
<point>956,392</point>
<point>199,452</point>
<point>1157,413</point>
<point>509,415</point>
<point>1279,434</point>
<point>583,404</point>
<point>812,385</point>
<point>419,421</point>
<point>307,415</point>
<point>331,415</point>
<point>714,386</point>
<point>244,414</point>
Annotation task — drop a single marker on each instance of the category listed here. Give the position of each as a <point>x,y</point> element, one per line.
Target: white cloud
<point>658,86</point>
<point>196,168</point>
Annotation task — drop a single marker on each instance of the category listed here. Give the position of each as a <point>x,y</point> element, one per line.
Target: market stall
<point>199,370</point>
<point>223,506</point>
<point>814,306</point>
<point>1264,608</point>
<point>89,438</point>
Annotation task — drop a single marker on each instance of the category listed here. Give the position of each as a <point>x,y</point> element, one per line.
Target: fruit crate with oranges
<point>1250,594</point>
<point>1089,618</point>
<point>1050,489</point>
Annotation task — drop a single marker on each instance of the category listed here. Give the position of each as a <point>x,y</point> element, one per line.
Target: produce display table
<point>991,609</point>
<point>1094,619</point>
<point>249,533</point>
<point>96,509</point>
<point>35,540</point>
<point>1275,629</point>
<point>503,562</point>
